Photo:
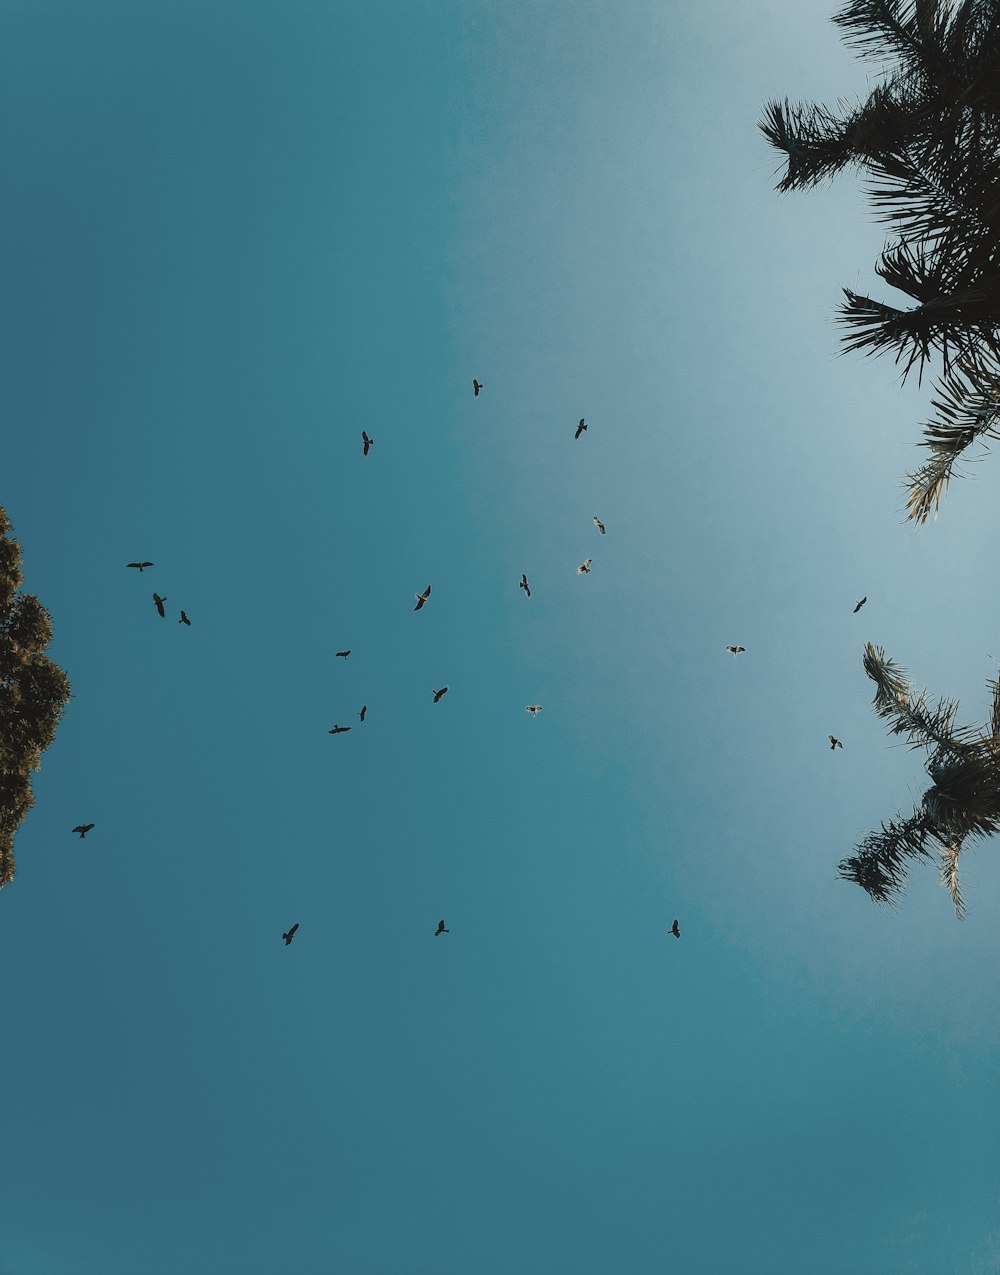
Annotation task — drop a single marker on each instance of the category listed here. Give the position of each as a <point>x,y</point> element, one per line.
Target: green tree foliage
<point>33,693</point>
<point>928,140</point>
<point>962,805</point>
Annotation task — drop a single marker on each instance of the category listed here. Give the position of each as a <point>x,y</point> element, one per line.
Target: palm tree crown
<point>928,138</point>
<point>962,804</point>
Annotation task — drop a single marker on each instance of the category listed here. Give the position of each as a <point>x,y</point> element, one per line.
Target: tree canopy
<point>33,693</point>
<point>928,139</point>
<point>962,805</point>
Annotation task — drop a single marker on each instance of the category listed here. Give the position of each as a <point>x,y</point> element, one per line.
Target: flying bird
<point>580,428</point>
<point>364,709</point>
<point>675,929</point>
<point>159,604</point>
<point>834,743</point>
<point>290,934</point>
<point>533,709</point>
<point>440,929</point>
<point>599,525</point>
<point>342,655</point>
<point>585,569</point>
<point>438,694</point>
<point>735,650</point>
<point>141,565</point>
<point>83,829</point>
<point>524,585</point>
<point>366,441</point>
<point>422,598</point>
<point>184,618</point>
<point>476,387</point>
<point>861,604</point>
<point>338,730</point>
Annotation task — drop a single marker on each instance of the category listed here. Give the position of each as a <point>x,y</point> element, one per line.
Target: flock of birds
<point>421,601</point>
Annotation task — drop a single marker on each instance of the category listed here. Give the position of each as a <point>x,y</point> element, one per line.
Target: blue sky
<point>236,235</point>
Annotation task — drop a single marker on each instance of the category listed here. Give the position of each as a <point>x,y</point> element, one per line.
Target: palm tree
<point>962,805</point>
<point>928,139</point>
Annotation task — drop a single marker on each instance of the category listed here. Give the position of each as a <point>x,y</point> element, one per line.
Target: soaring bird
<point>141,565</point>
<point>735,650</point>
<point>422,598</point>
<point>599,525</point>
<point>476,387</point>
<point>524,585</point>
<point>438,694</point>
<point>184,618</point>
<point>159,603</point>
<point>364,709</point>
<point>585,569</point>
<point>83,829</point>
<point>861,604</point>
<point>440,929</point>
<point>834,743</point>
<point>338,730</point>
<point>675,929</point>
<point>580,428</point>
<point>533,709</point>
<point>290,934</point>
<point>366,441</point>
<point>342,655</point>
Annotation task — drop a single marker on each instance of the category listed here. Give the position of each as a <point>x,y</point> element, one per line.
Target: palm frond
<point>994,685</point>
<point>910,714</point>
<point>812,139</point>
<point>882,859</point>
<point>879,27</point>
<point>949,877</point>
<point>968,405</point>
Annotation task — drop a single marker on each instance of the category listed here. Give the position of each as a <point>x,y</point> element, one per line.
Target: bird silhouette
<point>440,929</point>
<point>141,565</point>
<point>675,929</point>
<point>364,709</point>
<point>524,585</point>
<point>184,618</point>
<point>735,650</point>
<point>599,525</point>
<point>861,604</point>
<point>533,709</point>
<point>366,441</point>
<point>580,428</point>
<point>338,730</point>
<point>342,655</point>
<point>476,387</point>
<point>83,829</point>
<point>159,603</point>
<point>834,743</point>
<point>422,598</point>
<point>438,694</point>
<point>290,934</point>
<point>585,569</point>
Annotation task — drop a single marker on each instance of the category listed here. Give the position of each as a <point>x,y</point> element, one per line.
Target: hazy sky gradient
<point>235,235</point>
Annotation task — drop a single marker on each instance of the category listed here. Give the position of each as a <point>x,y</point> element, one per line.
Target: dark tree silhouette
<point>33,693</point>
<point>928,140</point>
<point>962,805</point>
